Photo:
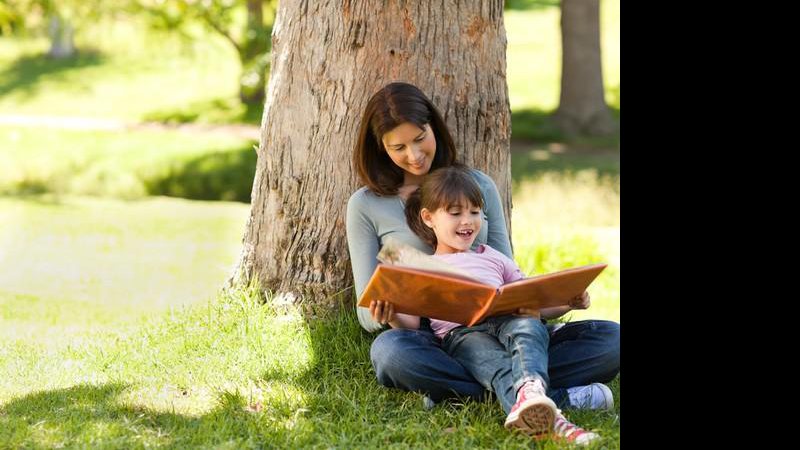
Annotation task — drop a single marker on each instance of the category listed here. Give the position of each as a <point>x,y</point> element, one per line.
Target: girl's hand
<point>529,312</point>
<point>581,302</point>
<point>382,312</point>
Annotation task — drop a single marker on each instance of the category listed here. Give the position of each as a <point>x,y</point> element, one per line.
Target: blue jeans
<point>579,353</point>
<point>502,353</point>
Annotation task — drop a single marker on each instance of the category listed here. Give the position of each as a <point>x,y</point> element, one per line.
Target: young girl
<point>445,212</point>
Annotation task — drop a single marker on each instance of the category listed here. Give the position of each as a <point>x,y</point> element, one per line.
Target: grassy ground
<point>97,351</point>
<point>126,164</point>
<point>237,373</point>
<point>112,333</point>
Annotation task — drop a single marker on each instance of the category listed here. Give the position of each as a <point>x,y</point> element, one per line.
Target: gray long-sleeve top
<point>372,218</point>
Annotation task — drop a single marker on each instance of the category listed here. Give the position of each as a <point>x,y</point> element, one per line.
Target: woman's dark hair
<point>441,188</point>
<point>393,105</point>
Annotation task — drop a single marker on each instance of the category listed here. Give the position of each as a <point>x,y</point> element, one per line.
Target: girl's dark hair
<point>393,105</point>
<point>441,188</point>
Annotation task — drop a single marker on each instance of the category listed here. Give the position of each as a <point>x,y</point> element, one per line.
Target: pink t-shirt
<point>487,265</point>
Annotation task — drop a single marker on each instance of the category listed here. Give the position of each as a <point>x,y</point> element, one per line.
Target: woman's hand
<point>581,302</point>
<point>382,312</point>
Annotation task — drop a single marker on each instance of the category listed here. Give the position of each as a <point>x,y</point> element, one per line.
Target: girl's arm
<point>383,312</point>
<point>582,301</point>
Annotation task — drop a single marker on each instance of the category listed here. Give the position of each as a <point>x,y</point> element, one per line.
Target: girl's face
<point>412,149</point>
<point>455,227</point>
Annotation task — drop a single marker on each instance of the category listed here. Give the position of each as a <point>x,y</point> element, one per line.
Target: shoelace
<point>567,429</point>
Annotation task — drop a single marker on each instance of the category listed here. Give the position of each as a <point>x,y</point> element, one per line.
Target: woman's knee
<point>389,352</point>
<point>609,359</point>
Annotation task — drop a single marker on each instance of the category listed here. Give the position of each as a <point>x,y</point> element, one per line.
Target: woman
<point>402,138</point>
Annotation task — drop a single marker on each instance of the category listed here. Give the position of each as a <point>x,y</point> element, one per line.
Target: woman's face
<point>411,148</point>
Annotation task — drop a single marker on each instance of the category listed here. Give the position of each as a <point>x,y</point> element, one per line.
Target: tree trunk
<point>328,59</point>
<point>62,43</point>
<point>582,108</point>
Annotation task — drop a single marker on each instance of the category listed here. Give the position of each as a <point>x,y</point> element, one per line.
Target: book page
<point>546,290</point>
<point>395,253</point>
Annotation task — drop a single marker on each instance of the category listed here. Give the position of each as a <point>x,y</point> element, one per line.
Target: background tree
<point>245,24</point>
<point>582,107</point>
<point>328,58</point>
<point>60,20</point>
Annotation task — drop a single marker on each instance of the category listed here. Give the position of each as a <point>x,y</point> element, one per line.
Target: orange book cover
<point>447,297</point>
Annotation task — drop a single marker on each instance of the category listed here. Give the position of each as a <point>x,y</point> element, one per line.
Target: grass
<point>111,333</point>
<point>130,74</point>
<point>235,373</point>
<point>80,264</point>
<point>126,164</point>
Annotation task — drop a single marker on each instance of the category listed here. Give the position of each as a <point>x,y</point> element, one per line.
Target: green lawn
<point>126,164</point>
<point>113,333</point>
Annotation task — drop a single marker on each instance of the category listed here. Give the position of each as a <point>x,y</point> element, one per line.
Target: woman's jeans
<point>486,349</point>
<point>579,353</point>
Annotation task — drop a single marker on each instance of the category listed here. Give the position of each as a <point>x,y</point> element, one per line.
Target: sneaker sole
<point>534,419</point>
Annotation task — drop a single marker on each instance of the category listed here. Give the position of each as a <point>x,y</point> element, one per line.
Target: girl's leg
<point>486,359</point>
<point>526,340</point>
<point>413,360</point>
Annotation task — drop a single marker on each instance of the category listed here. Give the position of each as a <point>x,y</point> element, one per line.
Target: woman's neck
<point>409,179</point>
<point>405,190</point>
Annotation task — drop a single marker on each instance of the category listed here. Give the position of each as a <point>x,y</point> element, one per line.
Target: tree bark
<point>582,108</point>
<point>328,59</point>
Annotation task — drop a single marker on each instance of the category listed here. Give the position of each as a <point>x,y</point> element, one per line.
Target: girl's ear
<point>426,217</point>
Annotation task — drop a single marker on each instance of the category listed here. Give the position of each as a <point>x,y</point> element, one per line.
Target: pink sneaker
<point>568,431</point>
<point>534,413</point>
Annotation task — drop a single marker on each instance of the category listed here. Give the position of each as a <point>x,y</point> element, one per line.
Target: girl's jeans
<point>502,353</point>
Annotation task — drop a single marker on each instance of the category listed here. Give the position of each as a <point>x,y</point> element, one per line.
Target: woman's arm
<point>498,233</point>
<point>363,244</point>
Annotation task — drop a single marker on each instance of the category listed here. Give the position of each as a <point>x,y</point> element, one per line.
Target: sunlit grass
<point>567,219</point>
<point>124,72</point>
<point>80,264</point>
<point>237,372</point>
<point>125,164</point>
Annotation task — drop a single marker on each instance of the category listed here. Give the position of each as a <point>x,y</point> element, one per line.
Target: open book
<point>421,285</point>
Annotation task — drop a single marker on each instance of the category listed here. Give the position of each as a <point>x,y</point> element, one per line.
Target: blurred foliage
<point>245,24</point>
<point>60,20</point>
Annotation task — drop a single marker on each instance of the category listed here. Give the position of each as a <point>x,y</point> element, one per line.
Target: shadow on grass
<point>341,406</point>
<point>224,175</point>
<point>25,74</point>
<point>538,125</point>
<point>93,414</point>
<point>530,161</point>
<point>539,148</point>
